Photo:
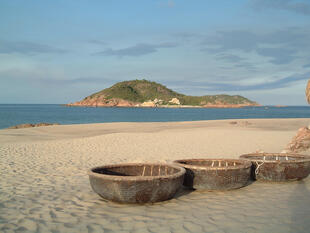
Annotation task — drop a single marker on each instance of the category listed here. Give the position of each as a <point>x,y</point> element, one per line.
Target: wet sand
<point>44,186</point>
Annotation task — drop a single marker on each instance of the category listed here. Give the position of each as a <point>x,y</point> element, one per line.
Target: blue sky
<point>56,51</point>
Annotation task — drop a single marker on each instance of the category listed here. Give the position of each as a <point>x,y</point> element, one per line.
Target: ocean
<point>14,114</point>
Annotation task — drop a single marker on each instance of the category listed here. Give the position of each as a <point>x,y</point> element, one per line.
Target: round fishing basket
<point>278,167</point>
<point>215,174</point>
<point>136,182</point>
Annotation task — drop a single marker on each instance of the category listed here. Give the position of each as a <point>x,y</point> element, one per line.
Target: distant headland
<point>144,93</point>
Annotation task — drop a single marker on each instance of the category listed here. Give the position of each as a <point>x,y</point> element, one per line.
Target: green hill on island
<point>144,93</point>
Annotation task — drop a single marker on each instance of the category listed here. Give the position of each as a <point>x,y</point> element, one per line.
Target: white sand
<point>44,186</point>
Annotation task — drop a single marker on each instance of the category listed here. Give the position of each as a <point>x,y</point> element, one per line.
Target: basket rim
<point>244,164</point>
<point>301,158</point>
<point>91,173</point>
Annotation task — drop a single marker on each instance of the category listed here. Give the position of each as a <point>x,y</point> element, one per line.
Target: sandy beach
<point>44,185</point>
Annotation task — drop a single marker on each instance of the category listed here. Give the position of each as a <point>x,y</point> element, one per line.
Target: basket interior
<point>211,163</point>
<point>274,157</point>
<point>137,170</point>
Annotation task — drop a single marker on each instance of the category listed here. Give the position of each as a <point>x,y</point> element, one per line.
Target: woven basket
<point>278,166</point>
<point>215,174</point>
<point>136,182</point>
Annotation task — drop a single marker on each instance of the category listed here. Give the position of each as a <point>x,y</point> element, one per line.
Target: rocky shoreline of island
<point>173,103</point>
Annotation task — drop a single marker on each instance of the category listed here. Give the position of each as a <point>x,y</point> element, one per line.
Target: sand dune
<point>44,185</point>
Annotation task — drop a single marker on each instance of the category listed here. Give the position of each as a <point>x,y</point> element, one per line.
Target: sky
<point>60,51</point>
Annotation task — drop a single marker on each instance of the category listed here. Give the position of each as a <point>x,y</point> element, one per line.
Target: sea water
<point>14,114</point>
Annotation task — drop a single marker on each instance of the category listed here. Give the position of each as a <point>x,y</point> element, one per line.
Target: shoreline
<point>96,129</point>
<point>52,123</point>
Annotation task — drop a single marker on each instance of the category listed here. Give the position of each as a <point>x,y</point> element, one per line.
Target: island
<point>144,93</point>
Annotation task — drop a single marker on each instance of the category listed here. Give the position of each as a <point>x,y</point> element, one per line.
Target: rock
<point>31,125</point>
<point>300,142</point>
<point>21,126</point>
<point>124,103</point>
<point>243,123</point>
<point>175,101</point>
<point>148,104</point>
<point>158,101</point>
<point>45,124</point>
<point>103,102</point>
